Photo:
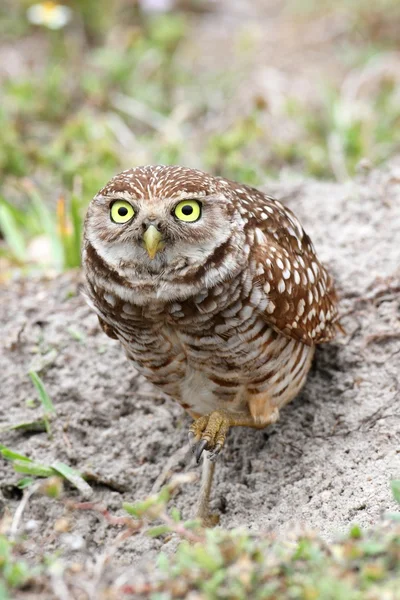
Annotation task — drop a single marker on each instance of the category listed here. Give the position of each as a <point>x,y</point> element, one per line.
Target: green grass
<point>25,465</point>
<point>218,563</point>
<point>116,88</point>
<point>43,423</point>
<point>333,139</point>
<point>59,230</point>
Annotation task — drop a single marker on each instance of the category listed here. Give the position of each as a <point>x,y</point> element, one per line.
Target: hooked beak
<point>152,241</point>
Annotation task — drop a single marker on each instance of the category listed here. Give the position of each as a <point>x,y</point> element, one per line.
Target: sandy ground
<point>326,463</point>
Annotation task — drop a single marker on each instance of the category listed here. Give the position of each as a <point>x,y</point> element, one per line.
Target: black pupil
<point>122,211</point>
<point>187,209</point>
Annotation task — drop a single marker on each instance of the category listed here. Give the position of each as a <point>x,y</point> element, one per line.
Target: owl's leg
<point>209,431</point>
<point>203,502</point>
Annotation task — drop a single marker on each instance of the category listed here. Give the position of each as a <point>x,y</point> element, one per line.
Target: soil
<point>327,463</point>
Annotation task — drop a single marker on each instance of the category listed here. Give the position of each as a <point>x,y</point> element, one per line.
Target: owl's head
<point>156,218</point>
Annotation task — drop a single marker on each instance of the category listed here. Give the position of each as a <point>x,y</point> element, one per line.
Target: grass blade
<point>48,221</point>
<point>32,468</point>
<point>34,426</point>
<point>23,464</point>
<point>75,240</point>
<point>24,483</point>
<point>9,454</point>
<point>12,233</point>
<point>73,477</point>
<point>395,484</point>
<point>158,530</point>
<point>47,404</point>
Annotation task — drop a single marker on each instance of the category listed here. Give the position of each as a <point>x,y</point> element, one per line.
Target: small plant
<point>59,232</point>
<point>346,127</point>
<point>47,404</point>
<point>14,572</point>
<point>24,464</point>
<point>226,151</point>
<point>49,411</point>
<point>154,509</point>
<point>396,489</point>
<point>217,563</point>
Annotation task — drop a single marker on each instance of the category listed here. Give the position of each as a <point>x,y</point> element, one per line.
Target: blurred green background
<point>246,89</point>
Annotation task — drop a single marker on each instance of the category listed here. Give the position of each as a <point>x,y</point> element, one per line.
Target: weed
<point>43,423</point>
<point>24,464</point>
<point>114,88</point>
<point>218,563</point>
<point>35,234</point>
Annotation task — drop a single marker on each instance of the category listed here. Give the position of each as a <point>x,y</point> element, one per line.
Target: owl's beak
<point>152,241</point>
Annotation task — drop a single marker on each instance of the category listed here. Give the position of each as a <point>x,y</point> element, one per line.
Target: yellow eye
<point>188,211</point>
<point>121,211</point>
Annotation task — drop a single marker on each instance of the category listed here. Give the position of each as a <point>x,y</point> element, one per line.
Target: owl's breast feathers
<point>210,351</point>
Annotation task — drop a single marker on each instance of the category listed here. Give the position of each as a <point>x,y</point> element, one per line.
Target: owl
<point>215,292</point>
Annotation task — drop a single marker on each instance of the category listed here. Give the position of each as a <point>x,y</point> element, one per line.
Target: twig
<point>382,336</point>
<point>58,584</point>
<point>377,415</point>
<point>182,453</point>
<point>102,510</point>
<point>107,482</point>
<point>28,492</point>
<point>379,290</point>
<point>181,530</point>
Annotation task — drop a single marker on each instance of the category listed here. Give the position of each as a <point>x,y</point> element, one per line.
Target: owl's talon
<point>197,427</point>
<point>208,433</point>
<point>215,453</point>
<point>199,448</point>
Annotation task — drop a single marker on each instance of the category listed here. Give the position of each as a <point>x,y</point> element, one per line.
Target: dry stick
<point>181,530</point>
<point>131,528</point>
<point>382,336</point>
<point>58,584</point>
<point>132,525</point>
<point>173,460</point>
<point>103,559</point>
<point>101,562</point>
<point>28,492</point>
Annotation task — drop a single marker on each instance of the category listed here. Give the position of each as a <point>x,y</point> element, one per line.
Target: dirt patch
<point>326,463</point>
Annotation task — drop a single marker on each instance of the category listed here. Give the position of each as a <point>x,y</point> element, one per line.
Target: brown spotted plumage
<point>214,290</point>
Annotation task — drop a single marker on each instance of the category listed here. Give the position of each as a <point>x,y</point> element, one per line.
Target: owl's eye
<point>121,211</point>
<point>188,211</point>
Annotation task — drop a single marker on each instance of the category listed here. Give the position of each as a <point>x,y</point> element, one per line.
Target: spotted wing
<point>302,301</point>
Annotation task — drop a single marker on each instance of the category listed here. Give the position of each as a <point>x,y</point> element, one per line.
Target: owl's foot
<point>209,433</point>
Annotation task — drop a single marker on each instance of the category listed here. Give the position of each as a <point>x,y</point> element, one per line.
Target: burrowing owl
<point>215,292</point>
